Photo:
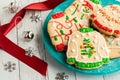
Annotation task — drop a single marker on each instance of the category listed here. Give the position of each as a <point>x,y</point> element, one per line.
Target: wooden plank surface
<point>20,71</point>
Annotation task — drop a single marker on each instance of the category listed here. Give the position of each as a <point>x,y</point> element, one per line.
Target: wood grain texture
<point>22,71</point>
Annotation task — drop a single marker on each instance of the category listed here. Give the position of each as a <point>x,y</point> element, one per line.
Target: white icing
<point>77,36</point>
<point>113,12</point>
<point>82,35</point>
<point>96,58</point>
<point>113,47</point>
<point>83,56</point>
<point>118,43</point>
<point>95,37</point>
<point>95,41</point>
<point>106,9</point>
<point>97,12</point>
<point>99,51</point>
<point>53,24</point>
<point>71,9</point>
<point>68,24</point>
<point>104,20</point>
<point>88,34</point>
<point>99,6</point>
<point>111,25</point>
<point>73,50</point>
<point>105,47</point>
<point>73,40</point>
<point>86,38</point>
<point>102,48</point>
<point>81,0</point>
<point>106,50</point>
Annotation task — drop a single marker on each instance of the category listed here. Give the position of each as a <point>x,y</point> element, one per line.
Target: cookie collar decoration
<point>86,30</point>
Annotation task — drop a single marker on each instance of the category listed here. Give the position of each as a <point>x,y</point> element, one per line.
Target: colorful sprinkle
<point>82,16</point>
<point>75,20</point>
<point>67,17</point>
<point>55,38</point>
<point>87,48</point>
<point>61,31</point>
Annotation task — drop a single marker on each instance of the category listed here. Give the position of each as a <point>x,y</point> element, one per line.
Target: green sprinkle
<point>83,51</point>
<point>86,40</point>
<point>61,31</point>
<point>55,38</point>
<point>67,17</point>
<point>75,20</point>
<point>89,55</point>
<point>96,1</point>
<point>82,16</point>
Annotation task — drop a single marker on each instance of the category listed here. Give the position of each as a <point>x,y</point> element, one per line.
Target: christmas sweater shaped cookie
<point>62,24</point>
<point>107,19</point>
<point>87,49</point>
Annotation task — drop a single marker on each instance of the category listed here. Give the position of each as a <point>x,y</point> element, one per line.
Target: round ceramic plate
<point>113,66</point>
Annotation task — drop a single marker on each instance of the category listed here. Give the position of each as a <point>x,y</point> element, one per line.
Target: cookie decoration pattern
<point>87,51</point>
<point>62,24</point>
<point>107,20</point>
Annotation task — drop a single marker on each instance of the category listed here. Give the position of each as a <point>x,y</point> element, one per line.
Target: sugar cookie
<point>87,49</point>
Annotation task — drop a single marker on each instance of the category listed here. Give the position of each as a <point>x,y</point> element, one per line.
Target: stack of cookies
<point>88,32</point>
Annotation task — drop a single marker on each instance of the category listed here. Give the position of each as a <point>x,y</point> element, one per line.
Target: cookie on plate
<point>60,27</point>
<point>107,20</point>
<point>113,44</point>
<point>62,24</point>
<point>87,49</point>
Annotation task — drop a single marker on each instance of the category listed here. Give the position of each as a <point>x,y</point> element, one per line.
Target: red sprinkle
<point>60,47</point>
<point>58,15</point>
<point>70,31</point>
<point>102,27</point>
<point>92,16</point>
<point>80,25</point>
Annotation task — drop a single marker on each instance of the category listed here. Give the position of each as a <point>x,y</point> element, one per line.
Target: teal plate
<point>113,66</point>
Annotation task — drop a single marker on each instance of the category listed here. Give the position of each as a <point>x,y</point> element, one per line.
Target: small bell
<point>13,7</point>
<point>28,35</point>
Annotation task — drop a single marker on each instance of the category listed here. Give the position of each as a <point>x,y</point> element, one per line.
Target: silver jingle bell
<point>28,35</point>
<point>12,7</point>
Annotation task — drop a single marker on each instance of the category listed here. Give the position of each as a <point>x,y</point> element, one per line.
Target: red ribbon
<point>16,51</point>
